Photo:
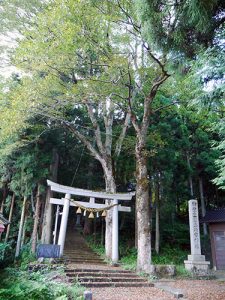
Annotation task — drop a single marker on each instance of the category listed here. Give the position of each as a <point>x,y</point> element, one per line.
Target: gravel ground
<point>130,294</point>
<point>201,289</point>
<point>192,289</point>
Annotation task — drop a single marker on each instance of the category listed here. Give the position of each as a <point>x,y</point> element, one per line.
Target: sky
<point>7,42</point>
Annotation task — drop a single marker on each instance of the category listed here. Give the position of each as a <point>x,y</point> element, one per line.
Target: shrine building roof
<point>214,216</point>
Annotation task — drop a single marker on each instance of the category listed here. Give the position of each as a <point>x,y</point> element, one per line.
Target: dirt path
<point>192,290</point>
<point>201,289</point>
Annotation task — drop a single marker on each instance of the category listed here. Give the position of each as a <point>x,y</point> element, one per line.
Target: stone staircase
<point>77,251</point>
<point>92,278</point>
<point>90,270</point>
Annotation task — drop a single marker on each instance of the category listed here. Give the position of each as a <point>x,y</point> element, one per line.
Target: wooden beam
<point>88,193</point>
<point>88,205</point>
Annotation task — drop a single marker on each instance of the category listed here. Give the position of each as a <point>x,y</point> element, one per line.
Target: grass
<point>181,272</point>
<point>19,284</point>
<point>96,247</point>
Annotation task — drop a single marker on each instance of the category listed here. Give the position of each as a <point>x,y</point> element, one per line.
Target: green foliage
<point>6,254</point>
<point>182,272</point>
<point>17,284</point>
<point>25,257</point>
<point>97,247</point>
<point>183,26</point>
<point>170,255</point>
<point>129,261</point>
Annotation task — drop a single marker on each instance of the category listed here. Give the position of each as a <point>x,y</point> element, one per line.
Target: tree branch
<point>96,127</point>
<point>122,135</point>
<point>160,64</point>
<point>164,106</point>
<point>84,140</point>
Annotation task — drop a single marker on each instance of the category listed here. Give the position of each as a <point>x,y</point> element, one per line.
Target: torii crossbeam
<point>66,202</point>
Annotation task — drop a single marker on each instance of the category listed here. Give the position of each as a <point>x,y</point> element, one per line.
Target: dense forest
<point>117,96</point>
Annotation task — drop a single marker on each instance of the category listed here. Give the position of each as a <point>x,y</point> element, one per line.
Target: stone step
<point>78,251</point>
<point>85,260</point>
<point>109,279</point>
<point>100,263</point>
<point>85,263</point>
<point>81,251</point>
<point>116,284</point>
<point>74,261</point>
<point>102,274</point>
<point>81,256</point>
<point>98,270</point>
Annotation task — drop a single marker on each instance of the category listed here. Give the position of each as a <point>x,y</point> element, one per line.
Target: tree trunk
<point>87,223</point>
<point>142,209</point>
<point>190,178</point>
<point>4,195</point>
<point>203,210</point>
<point>87,226</point>
<point>136,228</point>
<point>24,230</point>
<point>141,126</point>
<point>42,214</point>
<point>18,244</point>
<point>157,201</point>
<point>102,232</point>
<point>110,188</point>
<point>36,220</point>
<point>10,217</point>
<point>94,230</point>
<point>46,236</point>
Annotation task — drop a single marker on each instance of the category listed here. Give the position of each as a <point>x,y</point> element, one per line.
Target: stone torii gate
<point>66,202</point>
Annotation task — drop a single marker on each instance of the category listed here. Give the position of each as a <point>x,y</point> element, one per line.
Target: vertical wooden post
<point>24,230</point>
<point>115,233</point>
<point>56,224</point>
<point>36,219</point>
<point>63,226</point>
<point>203,209</point>
<point>18,244</point>
<point>157,217</point>
<point>10,217</point>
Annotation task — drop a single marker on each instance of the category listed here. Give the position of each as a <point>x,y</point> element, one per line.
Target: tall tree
<point>181,26</point>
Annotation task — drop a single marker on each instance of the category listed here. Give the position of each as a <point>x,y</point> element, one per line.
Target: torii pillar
<point>115,233</point>
<point>63,227</point>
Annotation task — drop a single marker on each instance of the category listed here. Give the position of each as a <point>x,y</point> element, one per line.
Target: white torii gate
<point>68,191</point>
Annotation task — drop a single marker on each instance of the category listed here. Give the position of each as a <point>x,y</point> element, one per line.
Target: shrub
<point>6,254</point>
<point>18,285</point>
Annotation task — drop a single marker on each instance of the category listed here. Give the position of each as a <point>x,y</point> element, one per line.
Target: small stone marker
<point>196,262</point>
<point>87,295</point>
<point>175,292</point>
